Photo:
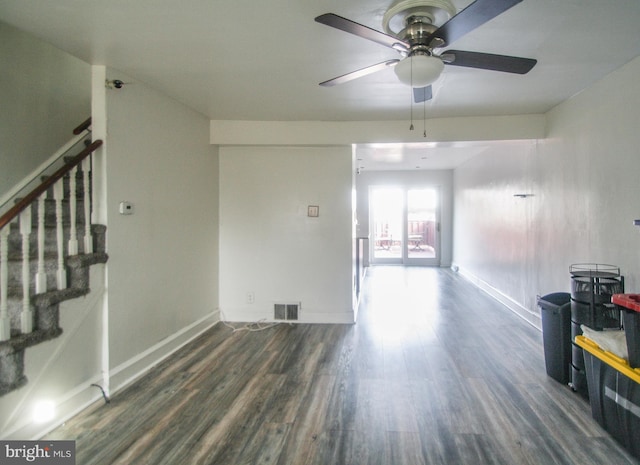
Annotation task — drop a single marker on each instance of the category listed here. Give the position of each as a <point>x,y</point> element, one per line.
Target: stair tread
<point>22,341</point>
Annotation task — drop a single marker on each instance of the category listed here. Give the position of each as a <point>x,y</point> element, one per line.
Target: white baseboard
<point>529,316</point>
<point>131,370</point>
<point>305,316</point>
<point>347,317</point>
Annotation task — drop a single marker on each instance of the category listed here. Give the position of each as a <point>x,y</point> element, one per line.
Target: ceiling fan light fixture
<point>419,70</point>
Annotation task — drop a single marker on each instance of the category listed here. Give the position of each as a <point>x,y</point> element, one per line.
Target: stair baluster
<point>5,324</point>
<point>58,195</point>
<point>41,275</point>
<point>88,237</point>
<point>26,317</point>
<point>73,233</point>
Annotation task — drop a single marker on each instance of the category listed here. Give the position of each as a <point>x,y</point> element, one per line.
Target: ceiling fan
<point>418,29</point>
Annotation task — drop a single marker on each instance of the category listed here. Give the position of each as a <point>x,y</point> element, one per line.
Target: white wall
<point>441,179</point>
<point>493,235</point>
<point>162,269</point>
<point>268,244</point>
<point>45,93</point>
<point>583,178</point>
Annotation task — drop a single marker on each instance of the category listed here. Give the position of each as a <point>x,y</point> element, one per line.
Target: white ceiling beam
<point>486,128</point>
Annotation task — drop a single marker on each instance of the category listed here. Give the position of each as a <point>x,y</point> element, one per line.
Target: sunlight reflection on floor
<point>403,304</point>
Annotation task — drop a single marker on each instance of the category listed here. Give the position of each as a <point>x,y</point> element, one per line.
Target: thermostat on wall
<point>126,208</point>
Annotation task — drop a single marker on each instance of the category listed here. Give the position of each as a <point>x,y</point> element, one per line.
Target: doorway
<point>404,225</point>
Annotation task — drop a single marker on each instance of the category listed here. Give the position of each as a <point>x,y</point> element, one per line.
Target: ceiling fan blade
<point>359,73</point>
<point>422,94</point>
<point>344,24</point>
<point>489,61</point>
<point>473,16</point>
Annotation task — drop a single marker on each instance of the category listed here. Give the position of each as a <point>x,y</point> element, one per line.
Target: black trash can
<point>555,310</point>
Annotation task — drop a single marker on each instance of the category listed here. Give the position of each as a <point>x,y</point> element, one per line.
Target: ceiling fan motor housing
<point>434,12</point>
<point>419,20</point>
<point>417,31</point>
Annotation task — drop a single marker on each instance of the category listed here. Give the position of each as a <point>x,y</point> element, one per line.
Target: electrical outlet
<point>251,297</point>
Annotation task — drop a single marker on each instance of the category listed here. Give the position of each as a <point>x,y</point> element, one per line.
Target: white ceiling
<point>420,156</point>
<point>263,59</point>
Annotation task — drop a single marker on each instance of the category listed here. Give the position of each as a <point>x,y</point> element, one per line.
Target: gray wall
<point>44,94</point>
<point>163,259</point>
<point>583,178</point>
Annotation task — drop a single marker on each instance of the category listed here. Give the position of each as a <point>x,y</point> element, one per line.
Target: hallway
<point>434,372</point>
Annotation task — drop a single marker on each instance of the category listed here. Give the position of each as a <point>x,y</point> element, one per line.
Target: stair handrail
<point>86,124</point>
<point>80,132</point>
<point>26,201</point>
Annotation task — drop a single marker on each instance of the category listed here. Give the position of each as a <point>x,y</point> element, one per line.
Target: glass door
<point>404,226</point>
<point>386,207</point>
<point>422,226</point>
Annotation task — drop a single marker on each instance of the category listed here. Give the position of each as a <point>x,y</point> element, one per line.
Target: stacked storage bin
<point>614,383</point>
<point>592,286</point>
<point>630,306</point>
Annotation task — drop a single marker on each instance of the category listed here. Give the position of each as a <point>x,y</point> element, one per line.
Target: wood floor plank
<point>285,405</point>
<point>400,407</point>
<point>266,446</point>
<point>240,418</point>
<point>403,448</point>
<point>372,406</point>
<point>433,372</point>
<point>480,448</point>
<point>312,421</point>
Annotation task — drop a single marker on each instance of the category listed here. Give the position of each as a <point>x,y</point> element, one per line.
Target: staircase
<point>46,250</point>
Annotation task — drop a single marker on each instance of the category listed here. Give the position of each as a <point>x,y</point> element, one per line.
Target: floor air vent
<point>286,311</point>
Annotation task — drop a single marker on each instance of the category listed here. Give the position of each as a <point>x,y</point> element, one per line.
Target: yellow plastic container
<point>609,358</point>
<point>614,394</point>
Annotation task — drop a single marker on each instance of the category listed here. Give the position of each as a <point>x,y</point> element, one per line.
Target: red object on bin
<point>630,301</point>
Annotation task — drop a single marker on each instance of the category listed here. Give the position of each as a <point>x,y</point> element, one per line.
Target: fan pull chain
<point>411,95</point>
<point>424,117</point>
<point>411,106</point>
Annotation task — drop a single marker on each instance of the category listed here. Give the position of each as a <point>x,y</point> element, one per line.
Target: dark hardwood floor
<point>434,372</point>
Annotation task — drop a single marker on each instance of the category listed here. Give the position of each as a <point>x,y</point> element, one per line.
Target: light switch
<point>313,211</point>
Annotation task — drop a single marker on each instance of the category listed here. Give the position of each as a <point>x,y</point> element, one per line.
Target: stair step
<point>50,242</point>
<point>12,374</point>
<point>12,357</point>
<point>14,274</point>
<point>77,286</point>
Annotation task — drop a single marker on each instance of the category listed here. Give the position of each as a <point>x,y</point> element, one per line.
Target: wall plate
<point>126,208</point>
